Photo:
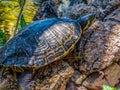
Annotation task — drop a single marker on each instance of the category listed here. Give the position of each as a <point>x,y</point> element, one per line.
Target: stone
<point>57,81</point>
<point>8,83</point>
<point>99,7</point>
<point>72,86</point>
<point>104,3</point>
<point>114,16</point>
<point>101,53</point>
<point>80,10</point>
<point>102,48</point>
<point>112,78</point>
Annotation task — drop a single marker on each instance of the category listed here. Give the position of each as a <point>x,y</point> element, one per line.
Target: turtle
<point>43,42</point>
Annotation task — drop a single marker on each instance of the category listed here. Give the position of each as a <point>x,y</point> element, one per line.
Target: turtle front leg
<point>25,80</point>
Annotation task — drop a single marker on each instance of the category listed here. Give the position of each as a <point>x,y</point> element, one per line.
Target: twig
<point>104,76</point>
<point>19,16</point>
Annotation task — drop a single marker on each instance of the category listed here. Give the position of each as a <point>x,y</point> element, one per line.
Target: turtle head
<point>86,21</point>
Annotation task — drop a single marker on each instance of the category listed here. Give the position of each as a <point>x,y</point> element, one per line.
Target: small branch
<point>19,16</point>
<point>104,76</point>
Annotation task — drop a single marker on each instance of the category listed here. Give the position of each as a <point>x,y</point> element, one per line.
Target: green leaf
<point>76,57</point>
<point>106,87</point>
<point>3,37</point>
<point>19,29</point>
<point>118,89</point>
<point>79,57</point>
<point>22,21</point>
<point>19,88</point>
<point>21,2</point>
<point>1,44</point>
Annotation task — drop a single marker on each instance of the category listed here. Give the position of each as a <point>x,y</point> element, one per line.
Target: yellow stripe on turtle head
<point>86,21</point>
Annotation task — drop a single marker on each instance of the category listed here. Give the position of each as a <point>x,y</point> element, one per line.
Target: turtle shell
<point>41,43</point>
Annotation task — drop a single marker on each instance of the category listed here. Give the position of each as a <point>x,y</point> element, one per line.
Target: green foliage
<point>106,87</point>
<point>21,2</point>
<point>3,38</point>
<point>22,21</point>
<point>76,57</point>
<point>9,11</point>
